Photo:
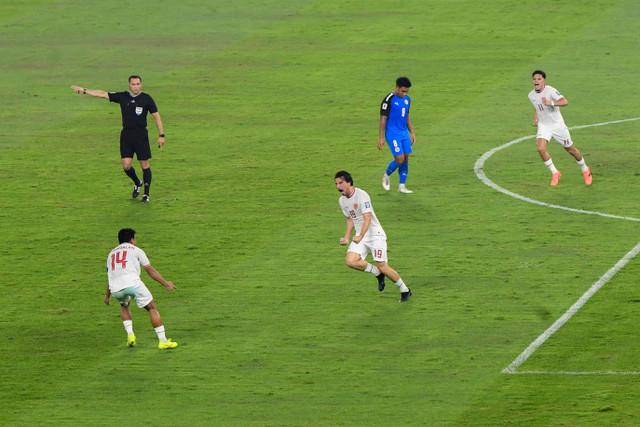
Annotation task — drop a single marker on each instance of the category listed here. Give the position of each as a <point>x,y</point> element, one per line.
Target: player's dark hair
<point>126,234</point>
<point>344,175</point>
<point>135,76</point>
<point>403,82</point>
<point>542,73</point>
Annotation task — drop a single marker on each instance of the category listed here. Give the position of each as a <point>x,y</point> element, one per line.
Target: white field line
<point>572,310</point>
<point>511,369</point>
<point>479,170</point>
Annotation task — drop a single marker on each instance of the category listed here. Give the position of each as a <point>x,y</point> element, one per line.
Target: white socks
<point>128,326</point>
<point>370,268</point>
<point>549,164</point>
<point>400,284</point>
<point>583,165</point>
<point>160,332</point>
<point>552,168</point>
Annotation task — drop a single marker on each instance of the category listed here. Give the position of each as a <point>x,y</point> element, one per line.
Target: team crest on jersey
<point>139,110</point>
<point>355,206</point>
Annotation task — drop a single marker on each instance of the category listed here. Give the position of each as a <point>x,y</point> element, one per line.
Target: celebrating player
<point>134,137</point>
<point>547,101</point>
<point>370,237</point>
<point>396,129</point>
<point>123,270</point>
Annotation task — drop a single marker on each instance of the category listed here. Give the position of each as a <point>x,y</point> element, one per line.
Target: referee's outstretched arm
<point>96,93</point>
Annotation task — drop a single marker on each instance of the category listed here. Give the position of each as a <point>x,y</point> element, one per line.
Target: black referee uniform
<point>134,137</point>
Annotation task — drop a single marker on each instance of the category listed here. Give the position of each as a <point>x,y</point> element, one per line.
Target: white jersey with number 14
<point>123,266</point>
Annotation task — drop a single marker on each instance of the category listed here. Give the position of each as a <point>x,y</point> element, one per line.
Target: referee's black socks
<point>131,173</point>
<point>146,178</point>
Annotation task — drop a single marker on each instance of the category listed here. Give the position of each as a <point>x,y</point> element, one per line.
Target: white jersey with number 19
<point>123,266</point>
<point>355,207</point>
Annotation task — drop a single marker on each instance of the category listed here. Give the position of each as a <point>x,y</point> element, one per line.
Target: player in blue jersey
<point>396,129</point>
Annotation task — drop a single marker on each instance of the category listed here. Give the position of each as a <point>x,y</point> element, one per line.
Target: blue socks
<point>392,167</point>
<point>404,171</point>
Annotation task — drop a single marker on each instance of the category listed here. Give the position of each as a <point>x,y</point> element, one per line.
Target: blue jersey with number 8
<point>397,111</point>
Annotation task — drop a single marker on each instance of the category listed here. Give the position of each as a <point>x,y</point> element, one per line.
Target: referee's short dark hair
<point>135,76</point>
<point>344,175</point>
<point>542,73</point>
<point>403,82</point>
<point>126,234</point>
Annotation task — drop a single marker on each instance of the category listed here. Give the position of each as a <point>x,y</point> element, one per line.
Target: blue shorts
<point>399,145</point>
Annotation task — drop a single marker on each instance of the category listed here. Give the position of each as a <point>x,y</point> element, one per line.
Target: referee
<point>134,137</point>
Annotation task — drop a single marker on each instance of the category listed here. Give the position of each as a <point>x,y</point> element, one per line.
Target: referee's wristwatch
<point>161,135</point>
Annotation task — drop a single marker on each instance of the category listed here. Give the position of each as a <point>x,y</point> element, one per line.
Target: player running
<point>370,237</point>
<point>547,102</point>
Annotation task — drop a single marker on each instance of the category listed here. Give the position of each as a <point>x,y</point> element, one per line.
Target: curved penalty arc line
<point>513,367</point>
<point>479,170</point>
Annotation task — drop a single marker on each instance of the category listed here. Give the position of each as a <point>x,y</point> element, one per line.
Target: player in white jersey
<point>547,102</point>
<point>123,270</point>
<point>370,237</point>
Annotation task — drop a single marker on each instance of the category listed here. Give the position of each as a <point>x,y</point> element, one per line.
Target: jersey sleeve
<point>385,106</point>
<point>365,202</point>
<point>152,105</point>
<point>115,96</point>
<point>142,257</point>
<point>555,95</point>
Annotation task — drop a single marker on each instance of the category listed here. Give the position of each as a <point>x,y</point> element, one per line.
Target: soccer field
<point>525,303</point>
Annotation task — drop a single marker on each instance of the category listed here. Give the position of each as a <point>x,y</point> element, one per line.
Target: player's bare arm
<point>412,133</point>
<point>365,227</point>
<point>347,235</point>
<point>107,296</point>
<point>156,117</point>
<point>383,128</point>
<point>153,273</point>
<point>91,92</point>
<point>535,118</point>
<point>559,103</point>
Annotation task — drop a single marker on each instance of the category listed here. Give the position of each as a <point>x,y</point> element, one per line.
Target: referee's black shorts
<point>135,141</point>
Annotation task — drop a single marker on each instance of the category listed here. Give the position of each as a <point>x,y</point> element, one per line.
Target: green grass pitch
<point>262,103</point>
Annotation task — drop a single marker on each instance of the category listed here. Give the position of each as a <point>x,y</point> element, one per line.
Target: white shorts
<point>559,133</point>
<point>376,245</point>
<point>139,292</point>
